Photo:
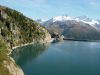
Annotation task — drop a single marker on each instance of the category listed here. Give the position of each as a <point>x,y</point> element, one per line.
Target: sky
<point>46,9</point>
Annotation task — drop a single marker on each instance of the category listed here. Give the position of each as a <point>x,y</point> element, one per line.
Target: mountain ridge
<point>76,28</point>
<point>83,19</point>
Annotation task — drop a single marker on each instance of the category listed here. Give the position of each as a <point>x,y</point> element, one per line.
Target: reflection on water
<point>62,58</point>
<point>26,54</point>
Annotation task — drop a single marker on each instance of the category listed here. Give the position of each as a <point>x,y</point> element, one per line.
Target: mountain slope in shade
<point>76,28</point>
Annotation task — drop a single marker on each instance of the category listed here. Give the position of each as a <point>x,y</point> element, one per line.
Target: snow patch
<point>83,19</point>
<point>62,18</point>
<point>93,22</point>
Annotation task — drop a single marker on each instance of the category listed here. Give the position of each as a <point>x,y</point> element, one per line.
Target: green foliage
<point>17,29</point>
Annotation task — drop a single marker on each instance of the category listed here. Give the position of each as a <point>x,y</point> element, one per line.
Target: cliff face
<point>15,30</point>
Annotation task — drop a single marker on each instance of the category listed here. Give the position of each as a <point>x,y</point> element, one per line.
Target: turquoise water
<point>63,58</point>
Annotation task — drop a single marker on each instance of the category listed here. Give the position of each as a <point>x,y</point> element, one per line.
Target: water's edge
<point>14,65</point>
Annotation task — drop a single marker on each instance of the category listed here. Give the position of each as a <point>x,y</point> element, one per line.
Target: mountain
<point>16,30</point>
<point>39,20</point>
<point>77,28</point>
<point>85,19</point>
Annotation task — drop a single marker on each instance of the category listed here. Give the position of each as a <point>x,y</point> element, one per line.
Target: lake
<point>62,58</point>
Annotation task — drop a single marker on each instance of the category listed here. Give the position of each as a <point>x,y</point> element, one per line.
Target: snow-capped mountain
<point>80,27</point>
<point>88,20</point>
<point>61,18</point>
<point>83,19</point>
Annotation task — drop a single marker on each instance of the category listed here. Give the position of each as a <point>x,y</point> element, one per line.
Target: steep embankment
<point>16,30</point>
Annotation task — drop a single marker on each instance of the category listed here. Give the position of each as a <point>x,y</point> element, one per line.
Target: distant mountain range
<point>81,27</point>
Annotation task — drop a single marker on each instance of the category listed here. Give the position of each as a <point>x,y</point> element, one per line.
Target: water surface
<point>63,58</point>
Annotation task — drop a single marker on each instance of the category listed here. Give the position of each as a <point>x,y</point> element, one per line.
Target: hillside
<point>16,30</point>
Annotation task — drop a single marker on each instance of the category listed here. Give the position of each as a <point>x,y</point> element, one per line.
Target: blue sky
<point>50,8</point>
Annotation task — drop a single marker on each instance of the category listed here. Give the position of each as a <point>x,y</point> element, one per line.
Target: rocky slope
<point>80,28</point>
<point>16,30</point>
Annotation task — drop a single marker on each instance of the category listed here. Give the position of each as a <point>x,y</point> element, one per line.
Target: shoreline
<point>82,40</point>
<point>20,71</point>
<point>17,47</point>
<point>22,45</point>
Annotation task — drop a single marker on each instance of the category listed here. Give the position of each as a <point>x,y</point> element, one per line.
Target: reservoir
<point>62,58</point>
